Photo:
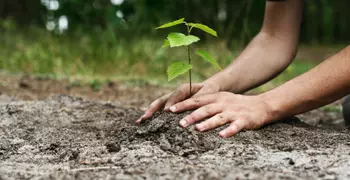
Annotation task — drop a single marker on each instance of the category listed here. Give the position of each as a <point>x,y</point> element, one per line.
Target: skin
<point>269,53</point>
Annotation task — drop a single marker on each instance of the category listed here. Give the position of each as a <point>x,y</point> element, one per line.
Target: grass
<point>298,67</point>
<point>104,55</point>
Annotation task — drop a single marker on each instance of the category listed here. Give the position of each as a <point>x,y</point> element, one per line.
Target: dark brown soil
<point>127,94</point>
<point>65,137</point>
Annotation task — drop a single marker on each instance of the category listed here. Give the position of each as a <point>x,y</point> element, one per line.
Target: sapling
<point>176,39</point>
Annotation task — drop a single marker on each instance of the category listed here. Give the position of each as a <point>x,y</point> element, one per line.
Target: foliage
<point>204,28</point>
<point>98,44</point>
<point>178,39</point>
<point>171,24</point>
<point>177,69</point>
<point>206,56</point>
<point>95,85</point>
<point>325,21</point>
<point>94,54</point>
<point>86,56</point>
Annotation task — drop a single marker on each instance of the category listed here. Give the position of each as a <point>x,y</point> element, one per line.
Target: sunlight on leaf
<point>207,57</point>
<point>179,39</point>
<point>204,28</point>
<point>171,24</point>
<point>177,68</point>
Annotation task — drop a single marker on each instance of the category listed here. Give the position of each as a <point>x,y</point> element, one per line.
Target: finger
<point>200,114</point>
<point>212,123</point>
<point>194,102</point>
<point>206,89</point>
<point>139,120</point>
<point>181,94</point>
<point>155,106</point>
<point>234,128</point>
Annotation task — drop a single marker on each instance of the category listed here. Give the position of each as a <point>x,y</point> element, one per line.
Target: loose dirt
<point>131,93</point>
<point>66,137</point>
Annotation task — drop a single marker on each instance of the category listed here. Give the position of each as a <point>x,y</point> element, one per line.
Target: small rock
<point>192,157</point>
<point>285,148</point>
<point>187,145</point>
<point>291,133</point>
<point>69,155</point>
<point>53,146</point>
<point>24,85</point>
<point>291,162</point>
<point>112,147</point>
<point>110,84</point>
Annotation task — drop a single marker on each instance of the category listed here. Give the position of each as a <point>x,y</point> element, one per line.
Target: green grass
<point>105,55</point>
<point>297,68</point>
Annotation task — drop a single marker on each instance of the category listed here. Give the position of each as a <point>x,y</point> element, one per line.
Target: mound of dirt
<point>163,129</point>
<point>66,137</point>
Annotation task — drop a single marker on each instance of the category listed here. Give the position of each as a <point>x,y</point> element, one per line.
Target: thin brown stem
<point>190,72</point>
<point>189,58</point>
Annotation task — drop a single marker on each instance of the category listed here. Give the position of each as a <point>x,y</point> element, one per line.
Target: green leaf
<point>204,28</point>
<point>177,68</point>
<point>207,57</point>
<point>179,39</point>
<point>166,44</point>
<point>171,24</point>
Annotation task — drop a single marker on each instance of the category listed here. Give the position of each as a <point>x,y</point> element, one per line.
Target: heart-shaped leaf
<point>179,39</point>
<point>177,68</point>
<point>204,28</point>
<point>207,57</point>
<point>171,24</point>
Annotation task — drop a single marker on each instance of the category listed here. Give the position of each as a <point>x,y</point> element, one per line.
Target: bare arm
<point>269,53</point>
<point>322,85</point>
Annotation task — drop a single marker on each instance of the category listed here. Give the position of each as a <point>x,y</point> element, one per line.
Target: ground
<point>91,134</point>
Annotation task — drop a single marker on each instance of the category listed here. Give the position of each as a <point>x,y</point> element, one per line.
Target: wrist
<point>213,85</point>
<point>273,105</point>
<point>221,80</point>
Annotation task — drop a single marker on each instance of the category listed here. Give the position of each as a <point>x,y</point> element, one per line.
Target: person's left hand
<point>242,112</point>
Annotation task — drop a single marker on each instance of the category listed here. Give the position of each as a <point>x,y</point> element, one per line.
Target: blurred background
<point>116,39</point>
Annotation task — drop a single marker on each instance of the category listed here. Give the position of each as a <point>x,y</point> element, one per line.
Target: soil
<point>69,137</point>
<point>127,94</point>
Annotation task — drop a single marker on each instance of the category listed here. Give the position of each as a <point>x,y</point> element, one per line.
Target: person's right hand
<point>182,93</point>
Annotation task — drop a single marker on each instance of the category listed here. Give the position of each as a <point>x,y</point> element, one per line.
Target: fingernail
<point>172,108</point>
<point>183,123</point>
<point>166,108</point>
<point>140,119</point>
<point>198,127</point>
<point>222,134</point>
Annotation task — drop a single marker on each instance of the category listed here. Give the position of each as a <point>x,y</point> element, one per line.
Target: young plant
<point>176,39</point>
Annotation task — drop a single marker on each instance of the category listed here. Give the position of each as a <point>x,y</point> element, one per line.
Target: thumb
<point>206,89</point>
<point>181,94</point>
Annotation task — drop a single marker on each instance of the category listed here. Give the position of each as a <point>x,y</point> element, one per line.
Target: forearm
<point>270,52</point>
<point>322,85</point>
<point>264,58</point>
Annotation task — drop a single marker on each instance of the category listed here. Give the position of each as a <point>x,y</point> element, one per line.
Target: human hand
<point>182,93</point>
<point>241,112</point>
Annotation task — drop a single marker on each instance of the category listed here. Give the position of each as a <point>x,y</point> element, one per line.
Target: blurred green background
<point>115,39</point>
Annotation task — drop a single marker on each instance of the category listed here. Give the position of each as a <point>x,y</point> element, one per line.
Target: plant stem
<point>189,58</point>
<point>190,72</point>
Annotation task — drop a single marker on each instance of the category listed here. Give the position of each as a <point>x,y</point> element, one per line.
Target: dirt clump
<point>164,129</point>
